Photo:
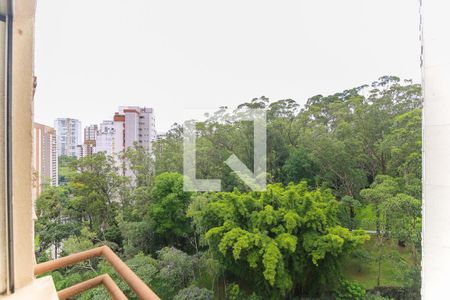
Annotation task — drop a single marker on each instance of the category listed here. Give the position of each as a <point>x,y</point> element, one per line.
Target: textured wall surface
<point>436,149</point>
<point>23,55</point>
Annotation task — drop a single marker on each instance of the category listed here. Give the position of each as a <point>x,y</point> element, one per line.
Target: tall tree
<point>52,225</point>
<point>167,212</point>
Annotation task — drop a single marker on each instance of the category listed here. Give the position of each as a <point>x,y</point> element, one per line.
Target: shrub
<point>194,293</point>
<point>350,291</point>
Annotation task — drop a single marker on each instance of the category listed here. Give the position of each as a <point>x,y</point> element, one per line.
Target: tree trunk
<point>379,271</point>
<point>378,221</point>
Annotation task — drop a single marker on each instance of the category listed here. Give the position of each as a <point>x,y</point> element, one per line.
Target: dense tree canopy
<point>282,241</point>
<point>339,167</point>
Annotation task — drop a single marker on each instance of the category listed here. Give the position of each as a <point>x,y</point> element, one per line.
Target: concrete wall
<point>436,149</point>
<point>3,241</point>
<point>22,109</point>
<point>23,56</point>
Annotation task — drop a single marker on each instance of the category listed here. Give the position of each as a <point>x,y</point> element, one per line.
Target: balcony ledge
<point>40,289</point>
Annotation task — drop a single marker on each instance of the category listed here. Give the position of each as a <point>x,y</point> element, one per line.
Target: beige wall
<point>23,49</point>
<point>23,39</point>
<point>3,242</point>
<point>44,158</point>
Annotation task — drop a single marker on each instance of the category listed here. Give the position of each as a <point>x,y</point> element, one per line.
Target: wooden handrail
<point>114,291</point>
<point>136,284</point>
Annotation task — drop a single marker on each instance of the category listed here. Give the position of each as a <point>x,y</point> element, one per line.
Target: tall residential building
<point>131,124</point>
<point>90,132</point>
<point>105,141</point>
<point>89,141</point>
<point>139,126</point>
<point>45,159</point>
<point>68,136</point>
<point>87,148</point>
<point>119,133</point>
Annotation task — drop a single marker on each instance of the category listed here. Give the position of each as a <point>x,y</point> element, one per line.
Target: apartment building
<point>90,132</point>
<point>105,138</point>
<point>68,136</point>
<point>89,141</point>
<point>139,126</point>
<point>131,125</point>
<point>87,148</point>
<point>119,133</point>
<point>45,159</point>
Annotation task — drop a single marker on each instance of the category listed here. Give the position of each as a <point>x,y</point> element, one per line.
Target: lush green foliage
<point>341,163</point>
<point>281,241</point>
<point>194,292</point>
<point>167,213</point>
<point>350,291</point>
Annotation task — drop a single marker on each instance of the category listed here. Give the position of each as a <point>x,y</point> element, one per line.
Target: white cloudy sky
<point>92,56</point>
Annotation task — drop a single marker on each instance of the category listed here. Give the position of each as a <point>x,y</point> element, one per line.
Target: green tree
<point>403,217</point>
<point>167,212</point>
<point>286,241</point>
<point>194,292</point>
<point>52,225</point>
<point>96,199</point>
<point>403,144</point>
<point>168,151</point>
<point>383,188</point>
<point>398,216</point>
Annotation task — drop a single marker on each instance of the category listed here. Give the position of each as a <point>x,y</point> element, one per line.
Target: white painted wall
<point>436,150</point>
<point>105,138</point>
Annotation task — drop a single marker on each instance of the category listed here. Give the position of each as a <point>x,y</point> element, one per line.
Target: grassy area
<point>363,267</point>
<point>64,171</point>
<point>63,168</point>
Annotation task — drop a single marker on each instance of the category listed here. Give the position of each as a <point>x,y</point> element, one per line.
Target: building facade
<point>105,141</point>
<point>68,136</point>
<point>87,148</point>
<point>45,158</point>
<point>89,141</point>
<point>139,126</point>
<point>119,133</point>
<point>131,125</point>
<point>90,132</point>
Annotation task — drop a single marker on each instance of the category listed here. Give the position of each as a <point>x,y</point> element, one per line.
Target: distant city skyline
<point>130,125</point>
<point>199,54</point>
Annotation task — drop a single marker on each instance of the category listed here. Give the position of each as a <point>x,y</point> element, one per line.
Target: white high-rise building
<point>68,136</point>
<point>105,139</point>
<point>138,125</point>
<point>131,125</point>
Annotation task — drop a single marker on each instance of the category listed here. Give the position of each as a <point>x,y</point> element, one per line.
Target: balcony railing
<point>135,283</point>
<point>115,292</point>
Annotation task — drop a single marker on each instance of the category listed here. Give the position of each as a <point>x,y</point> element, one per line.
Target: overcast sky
<point>92,56</point>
